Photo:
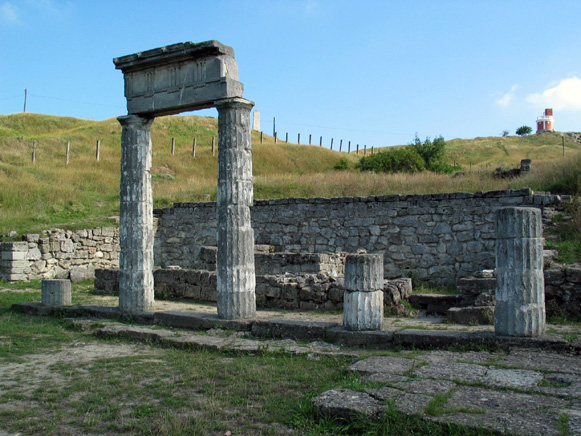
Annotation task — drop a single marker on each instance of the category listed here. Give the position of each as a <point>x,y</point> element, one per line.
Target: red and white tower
<point>545,123</point>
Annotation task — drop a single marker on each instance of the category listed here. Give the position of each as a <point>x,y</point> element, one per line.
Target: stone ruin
<point>169,80</point>
<point>188,76</point>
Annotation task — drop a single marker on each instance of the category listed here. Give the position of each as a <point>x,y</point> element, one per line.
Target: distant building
<point>545,123</point>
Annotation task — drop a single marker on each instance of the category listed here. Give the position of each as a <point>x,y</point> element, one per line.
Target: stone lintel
<point>179,77</point>
<point>171,53</point>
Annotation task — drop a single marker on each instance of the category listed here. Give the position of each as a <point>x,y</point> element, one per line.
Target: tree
<point>523,130</point>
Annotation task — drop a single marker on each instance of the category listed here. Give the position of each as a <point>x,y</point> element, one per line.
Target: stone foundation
<point>290,291</point>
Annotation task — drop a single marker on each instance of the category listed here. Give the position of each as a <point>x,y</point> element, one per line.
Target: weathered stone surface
<point>136,292</point>
<point>364,272</point>
<point>471,315</point>
<point>346,403</point>
<point>179,77</point>
<point>300,330</point>
<point>56,292</point>
<point>235,240</point>
<point>520,303</point>
<point>363,310</point>
<point>383,364</point>
<point>78,274</point>
<point>435,303</point>
<point>324,225</point>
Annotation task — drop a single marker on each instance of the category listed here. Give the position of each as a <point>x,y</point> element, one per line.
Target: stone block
<point>364,272</point>
<point>179,77</point>
<point>363,310</point>
<point>482,315</point>
<point>56,292</point>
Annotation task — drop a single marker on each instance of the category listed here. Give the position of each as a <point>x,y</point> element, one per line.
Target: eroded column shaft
<point>520,287</point>
<point>136,216</point>
<point>363,298</point>
<point>236,280</point>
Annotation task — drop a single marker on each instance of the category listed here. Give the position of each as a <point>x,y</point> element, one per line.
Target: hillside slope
<point>85,192</point>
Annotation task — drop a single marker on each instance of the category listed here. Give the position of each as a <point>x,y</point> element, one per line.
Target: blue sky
<point>370,72</point>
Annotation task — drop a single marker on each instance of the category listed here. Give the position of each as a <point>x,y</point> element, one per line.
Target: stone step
<point>435,303</point>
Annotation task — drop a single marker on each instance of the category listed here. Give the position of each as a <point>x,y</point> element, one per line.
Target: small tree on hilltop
<point>523,130</point>
<point>433,153</point>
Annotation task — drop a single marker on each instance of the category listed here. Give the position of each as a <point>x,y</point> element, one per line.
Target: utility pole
<point>273,126</point>
<point>25,96</point>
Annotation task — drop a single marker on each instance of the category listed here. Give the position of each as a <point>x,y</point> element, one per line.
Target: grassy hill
<point>85,192</point>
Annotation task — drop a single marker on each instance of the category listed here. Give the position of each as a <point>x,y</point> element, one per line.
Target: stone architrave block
<point>56,292</point>
<point>520,287</point>
<point>179,77</point>
<point>363,310</point>
<point>364,272</point>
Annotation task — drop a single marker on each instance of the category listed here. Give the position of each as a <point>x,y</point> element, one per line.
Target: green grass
<point>166,391</point>
<point>85,193</point>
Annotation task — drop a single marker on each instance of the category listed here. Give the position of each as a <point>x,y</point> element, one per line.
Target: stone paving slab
<point>520,392</point>
<point>215,339</point>
<point>396,333</point>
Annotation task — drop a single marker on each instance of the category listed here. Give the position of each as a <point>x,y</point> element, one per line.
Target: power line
<point>342,128</point>
<point>75,101</point>
<point>10,98</point>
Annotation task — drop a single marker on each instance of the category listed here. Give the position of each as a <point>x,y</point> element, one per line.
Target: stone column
<point>363,299</point>
<point>520,287</point>
<point>236,282</point>
<point>136,216</point>
<point>56,292</point>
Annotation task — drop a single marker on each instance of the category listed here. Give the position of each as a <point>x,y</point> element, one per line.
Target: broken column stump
<point>56,292</point>
<point>363,298</point>
<point>520,288</point>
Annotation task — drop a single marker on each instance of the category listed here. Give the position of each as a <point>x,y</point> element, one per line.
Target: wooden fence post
<point>357,148</point>
<point>310,136</point>
<point>68,151</point>
<point>331,147</point>
<point>349,148</point>
<point>286,140</point>
<point>98,151</point>
<point>299,142</point>
<point>341,146</point>
<point>365,150</point>
<point>34,151</point>
<point>261,135</point>
<point>321,142</point>
<point>173,146</point>
<point>194,145</point>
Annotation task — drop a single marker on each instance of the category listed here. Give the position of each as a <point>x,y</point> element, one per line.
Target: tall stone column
<point>136,216</point>
<point>520,286</point>
<point>236,282</point>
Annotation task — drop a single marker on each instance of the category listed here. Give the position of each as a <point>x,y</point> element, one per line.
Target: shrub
<point>343,164</point>
<point>433,153</point>
<point>394,160</point>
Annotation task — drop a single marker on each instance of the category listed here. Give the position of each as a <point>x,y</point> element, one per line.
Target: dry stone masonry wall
<point>61,254</point>
<point>436,238</point>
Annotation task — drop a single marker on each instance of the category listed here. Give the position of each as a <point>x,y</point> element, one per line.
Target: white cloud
<point>565,95</point>
<point>9,13</point>
<point>506,99</point>
<point>311,6</point>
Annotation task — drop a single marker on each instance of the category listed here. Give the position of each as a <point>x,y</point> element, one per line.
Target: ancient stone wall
<point>60,253</point>
<point>290,291</point>
<point>436,238</point>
